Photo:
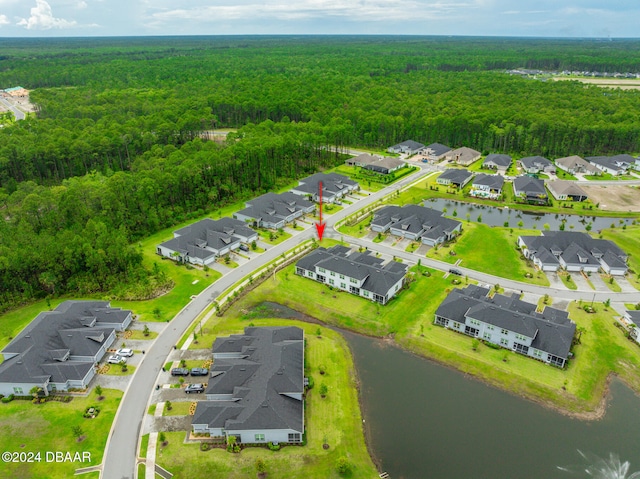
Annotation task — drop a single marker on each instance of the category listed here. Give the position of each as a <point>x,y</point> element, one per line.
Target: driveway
<point>555,280</point>
<point>580,282</point>
<point>423,249</point>
<point>625,285</point>
<point>169,423</point>
<point>598,282</point>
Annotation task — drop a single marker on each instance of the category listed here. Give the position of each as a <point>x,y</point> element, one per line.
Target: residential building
<point>574,165</point>
<point>497,161</point>
<point>274,211</point>
<point>573,251</point>
<point>256,387</point>
<point>566,190</point>
<point>416,223</point>
<point>530,189</point>
<point>408,147</point>
<point>362,274</point>
<point>455,177</point>
<point>632,318</point>
<point>378,164</point>
<point>614,165</point>
<point>435,151</point>
<point>487,186</point>
<point>334,187</point>
<point>59,350</point>
<point>463,156</point>
<point>203,242</point>
<point>510,323</point>
<point>537,164</point>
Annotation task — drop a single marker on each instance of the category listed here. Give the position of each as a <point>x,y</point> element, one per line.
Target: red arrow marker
<point>320,225</point>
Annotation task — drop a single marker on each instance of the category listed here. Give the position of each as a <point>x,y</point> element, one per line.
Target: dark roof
<point>613,260</point>
<point>377,278</point>
<point>332,183</point>
<point>535,162</point>
<point>385,164</point>
<point>207,233</point>
<point>414,145</point>
<point>529,186</point>
<point>634,316</point>
<point>618,162</point>
<point>456,175</point>
<point>498,159</point>
<point>551,330</point>
<point>268,365</point>
<point>492,181</point>
<point>439,149</point>
<point>573,242</point>
<point>75,328</point>
<point>420,220</point>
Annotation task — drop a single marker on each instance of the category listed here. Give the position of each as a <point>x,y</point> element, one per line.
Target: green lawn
<point>563,175</point>
<point>14,321</point>
<point>144,443</point>
<point>491,250</point>
<point>357,230</point>
<point>372,181</point>
<point>26,427</point>
<point>116,370</point>
<point>278,237</point>
<point>611,283</point>
<point>335,420</point>
<point>566,280</point>
<point>137,334</point>
<point>412,247</point>
<point>629,240</point>
<point>178,408</point>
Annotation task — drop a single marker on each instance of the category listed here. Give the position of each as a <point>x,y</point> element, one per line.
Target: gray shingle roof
<point>539,162</point>
<point>498,159</point>
<point>439,149</point>
<point>332,184</point>
<point>529,186</point>
<point>414,145</point>
<point>495,182</point>
<point>269,365</point>
<point>456,175</point>
<point>415,219</point>
<point>74,328</point>
<point>207,233</point>
<point>618,163</point>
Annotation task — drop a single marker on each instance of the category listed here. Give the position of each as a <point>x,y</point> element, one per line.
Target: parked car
<point>115,359</point>
<point>244,247</point>
<point>125,353</point>
<point>455,271</point>
<point>199,371</point>
<point>194,388</point>
<point>179,372</point>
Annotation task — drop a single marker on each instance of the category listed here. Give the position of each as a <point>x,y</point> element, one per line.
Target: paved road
<point>120,452</point>
<point>19,114</point>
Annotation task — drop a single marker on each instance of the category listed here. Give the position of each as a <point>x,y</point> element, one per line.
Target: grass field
<point>629,240</point>
<point>490,250</point>
<point>178,408</point>
<point>566,280</point>
<point>26,427</point>
<point>335,420</point>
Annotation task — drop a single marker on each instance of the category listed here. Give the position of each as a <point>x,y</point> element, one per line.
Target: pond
<point>493,216</point>
<point>424,420</point>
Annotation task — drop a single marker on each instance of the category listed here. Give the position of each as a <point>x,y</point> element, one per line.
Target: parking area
<point>554,280</point>
<point>598,282</point>
<point>625,285</point>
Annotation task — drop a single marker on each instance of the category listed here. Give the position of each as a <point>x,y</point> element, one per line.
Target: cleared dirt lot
<point>615,198</point>
<point>623,84</point>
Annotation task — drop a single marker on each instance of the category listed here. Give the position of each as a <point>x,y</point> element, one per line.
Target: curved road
<point>119,460</point>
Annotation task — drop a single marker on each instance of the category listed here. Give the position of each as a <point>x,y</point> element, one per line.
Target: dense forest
<point>115,151</point>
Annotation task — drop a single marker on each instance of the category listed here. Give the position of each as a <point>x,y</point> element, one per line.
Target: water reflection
<point>598,468</point>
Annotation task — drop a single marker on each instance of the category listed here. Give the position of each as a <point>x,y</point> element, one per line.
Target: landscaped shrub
<point>273,447</point>
<point>7,399</point>
<point>343,466</point>
<point>204,446</point>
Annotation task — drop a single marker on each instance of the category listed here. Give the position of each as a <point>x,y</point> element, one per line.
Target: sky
<point>538,18</point>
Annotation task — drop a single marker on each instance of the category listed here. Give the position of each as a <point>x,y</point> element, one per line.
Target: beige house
<point>463,156</point>
<point>566,190</point>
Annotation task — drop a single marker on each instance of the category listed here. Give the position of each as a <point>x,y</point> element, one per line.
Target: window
<point>365,294</point>
<point>342,276</point>
<point>331,282</point>
<point>537,354</point>
<point>294,437</point>
<point>331,273</point>
<point>353,280</point>
<point>504,342</point>
<point>521,337</point>
<point>474,322</point>
<point>310,273</point>
<point>487,336</point>
<point>343,285</point>
<point>490,328</point>
<point>322,270</point>
<point>504,331</point>
<point>259,437</point>
<point>18,391</point>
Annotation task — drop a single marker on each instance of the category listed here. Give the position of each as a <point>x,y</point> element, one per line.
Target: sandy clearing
<point>614,198</point>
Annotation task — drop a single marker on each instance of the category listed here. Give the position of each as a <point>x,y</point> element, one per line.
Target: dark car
<point>199,371</point>
<point>455,271</point>
<point>194,388</point>
<point>179,372</point>
<point>244,247</point>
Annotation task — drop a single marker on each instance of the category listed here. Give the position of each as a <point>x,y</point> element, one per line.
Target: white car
<point>125,353</point>
<point>115,359</point>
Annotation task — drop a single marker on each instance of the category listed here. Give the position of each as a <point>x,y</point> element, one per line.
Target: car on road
<point>194,388</point>
<point>115,359</point>
<point>199,371</point>
<point>244,247</point>
<point>455,271</point>
<point>125,353</point>
<point>179,372</point>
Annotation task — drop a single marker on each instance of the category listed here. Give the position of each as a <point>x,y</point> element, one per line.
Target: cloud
<point>42,18</point>
<point>4,20</point>
<point>358,10</point>
<point>81,5</point>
